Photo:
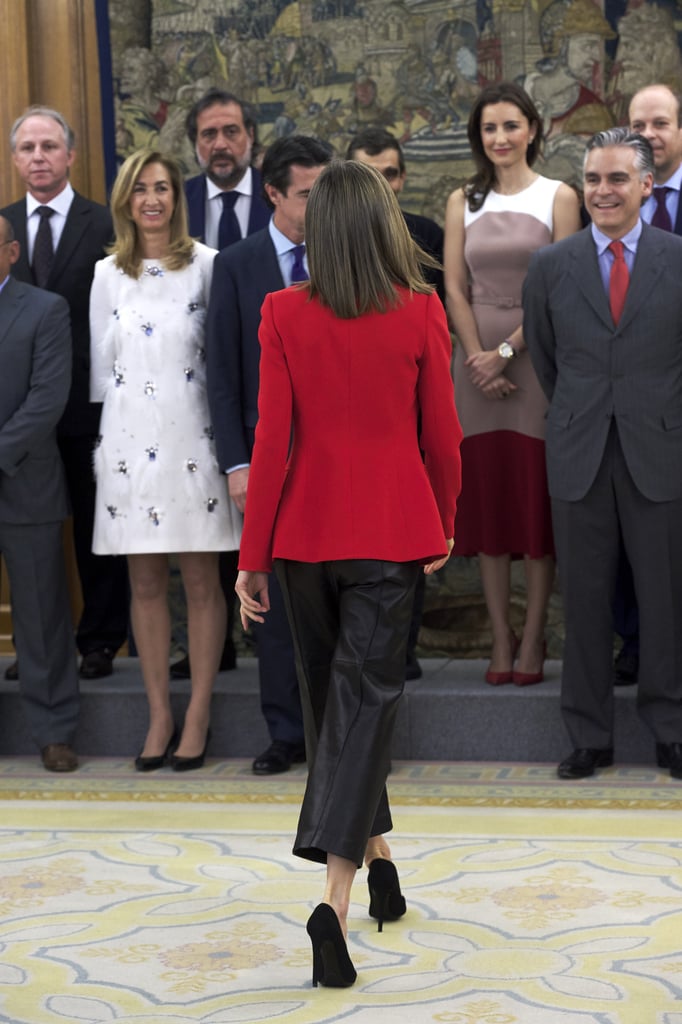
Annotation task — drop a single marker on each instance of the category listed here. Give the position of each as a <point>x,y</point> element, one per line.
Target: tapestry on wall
<point>331,67</point>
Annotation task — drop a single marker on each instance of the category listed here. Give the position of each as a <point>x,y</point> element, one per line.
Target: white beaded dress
<point>159,488</point>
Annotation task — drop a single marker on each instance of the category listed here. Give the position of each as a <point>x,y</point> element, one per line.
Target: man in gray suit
<point>35,341</point>
<point>602,324</point>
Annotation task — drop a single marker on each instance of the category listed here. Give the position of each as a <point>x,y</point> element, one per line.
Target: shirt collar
<point>280,241</point>
<point>60,203</point>
<point>630,240</point>
<point>244,186</point>
<point>674,181</point>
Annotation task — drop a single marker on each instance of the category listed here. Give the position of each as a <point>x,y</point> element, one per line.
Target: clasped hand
<point>486,372</point>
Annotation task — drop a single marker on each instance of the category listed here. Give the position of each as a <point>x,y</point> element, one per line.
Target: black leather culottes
<point>350,622</point>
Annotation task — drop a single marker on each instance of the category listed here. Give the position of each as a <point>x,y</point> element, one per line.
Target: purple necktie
<point>298,271</point>
<point>43,250</point>
<point>228,228</point>
<point>661,217</point>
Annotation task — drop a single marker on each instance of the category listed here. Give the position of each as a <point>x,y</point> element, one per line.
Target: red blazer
<point>337,471</point>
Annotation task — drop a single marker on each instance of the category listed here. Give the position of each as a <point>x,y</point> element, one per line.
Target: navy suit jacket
<point>243,274</point>
<point>195,192</point>
<point>429,236</point>
<point>87,232</point>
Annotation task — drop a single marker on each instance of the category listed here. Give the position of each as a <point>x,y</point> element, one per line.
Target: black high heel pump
<point>386,902</point>
<point>151,764</point>
<point>189,764</point>
<point>332,965</point>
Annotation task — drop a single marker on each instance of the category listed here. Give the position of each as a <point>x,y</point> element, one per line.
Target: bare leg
<point>340,876</point>
<point>539,580</point>
<point>206,621</point>
<point>495,577</point>
<point>150,620</point>
<point>377,847</point>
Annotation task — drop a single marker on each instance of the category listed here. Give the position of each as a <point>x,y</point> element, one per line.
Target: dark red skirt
<point>504,506</point>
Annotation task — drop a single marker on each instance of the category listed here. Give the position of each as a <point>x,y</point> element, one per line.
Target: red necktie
<point>618,281</point>
<point>661,217</point>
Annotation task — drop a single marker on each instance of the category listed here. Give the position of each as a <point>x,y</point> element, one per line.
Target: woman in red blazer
<point>352,492</point>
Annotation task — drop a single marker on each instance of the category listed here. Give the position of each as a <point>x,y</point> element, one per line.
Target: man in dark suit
<point>243,275</point>
<point>654,113</point>
<point>61,236</point>
<point>381,150</point>
<point>225,204</point>
<point>603,327</point>
<point>36,347</point>
<point>224,201</point>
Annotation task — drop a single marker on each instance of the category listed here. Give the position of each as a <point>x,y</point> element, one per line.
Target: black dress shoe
<point>582,762</point>
<point>669,755</point>
<point>625,669</point>
<point>279,757</point>
<point>59,757</point>
<point>181,669</point>
<point>12,672</point>
<point>97,664</point>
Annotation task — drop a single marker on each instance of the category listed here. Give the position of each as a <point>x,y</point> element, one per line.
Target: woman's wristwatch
<point>507,350</point>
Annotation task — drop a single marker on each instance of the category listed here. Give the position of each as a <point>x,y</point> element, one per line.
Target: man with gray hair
<point>603,328</point>
<point>61,236</point>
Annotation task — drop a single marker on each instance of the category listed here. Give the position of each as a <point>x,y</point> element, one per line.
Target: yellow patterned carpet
<point>172,899</point>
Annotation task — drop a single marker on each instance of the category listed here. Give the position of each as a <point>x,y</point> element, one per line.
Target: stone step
<point>450,714</point>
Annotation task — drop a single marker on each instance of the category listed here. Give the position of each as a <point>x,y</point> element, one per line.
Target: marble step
<point>450,714</point>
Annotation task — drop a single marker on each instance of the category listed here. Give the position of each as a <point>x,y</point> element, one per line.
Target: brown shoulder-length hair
<point>359,249</point>
<point>479,185</point>
<point>126,247</point>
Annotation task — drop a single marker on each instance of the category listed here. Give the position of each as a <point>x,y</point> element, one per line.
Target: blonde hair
<point>126,247</point>
<point>358,245</point>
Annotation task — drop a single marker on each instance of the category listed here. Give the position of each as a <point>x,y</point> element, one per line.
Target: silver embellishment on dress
<point>122,466</point>
<point>191,465</point>
<point>192,307</point>
<point>151,452</point>
<point>148,329</point>
<point>155,515</point>
<point>211,504</point>
<point>201,354</point>
<point>189,373</point>
<point>115,314</point>
<point>112,510</point>
<point>154,271</point>
<point>118,375</point>
<point>149,387</point>
<point>209,432</point>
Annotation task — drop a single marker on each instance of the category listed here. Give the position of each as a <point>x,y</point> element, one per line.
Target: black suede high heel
<point>188,764</point>
<point>386,902</point>
<point>332,965</point>
<point>151,764</point>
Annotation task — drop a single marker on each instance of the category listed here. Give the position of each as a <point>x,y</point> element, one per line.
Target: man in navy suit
<point>222,129</point>
<point>76,232</point>
<point>243,275</point>
<point>602,323</point>
<point>654,113</point>
<point>225,204</point>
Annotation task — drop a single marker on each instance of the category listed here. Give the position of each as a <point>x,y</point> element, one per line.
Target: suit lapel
<point>22,268</point>
<point>645,273</point>
<point>585,271</point>
<point>75,226</point>
<point>11,305</point>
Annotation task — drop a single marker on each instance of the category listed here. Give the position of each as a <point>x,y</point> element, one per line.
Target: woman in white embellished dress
<point>493,224</point>
<point>159,489</point>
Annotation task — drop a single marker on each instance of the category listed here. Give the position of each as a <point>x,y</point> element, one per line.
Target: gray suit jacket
<point>35,354</point>
<point>592,370</point>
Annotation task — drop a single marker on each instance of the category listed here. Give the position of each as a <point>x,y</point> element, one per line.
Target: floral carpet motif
<point>169,900</point>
